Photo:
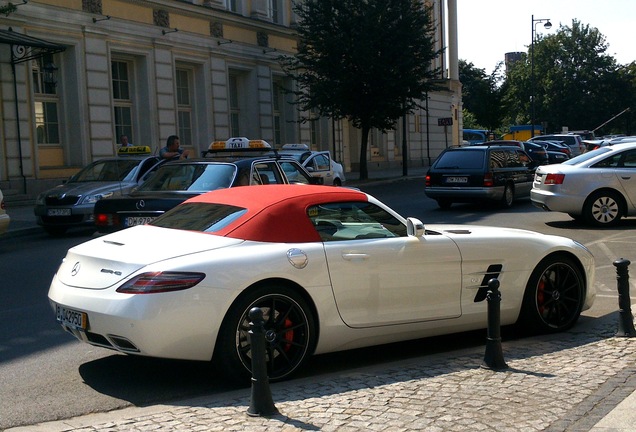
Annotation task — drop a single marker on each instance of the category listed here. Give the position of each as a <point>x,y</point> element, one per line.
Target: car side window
<point>354,221</point>
<point>497,159</point>
<point>293,173</point>
<point>266,173</point>
<point>321,162</point>
<point>629,159</point>
<point>609,162</point>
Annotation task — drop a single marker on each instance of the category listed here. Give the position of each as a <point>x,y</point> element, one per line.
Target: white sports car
<point>331,268</point>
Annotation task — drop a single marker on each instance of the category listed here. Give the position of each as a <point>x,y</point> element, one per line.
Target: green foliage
<point>481,95</point>
<point>367,61</point>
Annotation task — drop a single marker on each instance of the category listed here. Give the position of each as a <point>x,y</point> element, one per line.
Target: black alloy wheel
<point>290,334</point>
<point>554,296</point>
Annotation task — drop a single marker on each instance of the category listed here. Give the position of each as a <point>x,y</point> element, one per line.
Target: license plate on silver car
<point>138,220</point>
<point>58,212</point>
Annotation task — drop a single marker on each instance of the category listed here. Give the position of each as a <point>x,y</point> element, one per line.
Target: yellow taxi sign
<point>239,143</point>
<point>134,150</point>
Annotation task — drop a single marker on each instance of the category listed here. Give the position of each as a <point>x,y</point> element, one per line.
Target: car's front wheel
<point>290,333</point>
<point>554,296</point>
<point>603,208</point>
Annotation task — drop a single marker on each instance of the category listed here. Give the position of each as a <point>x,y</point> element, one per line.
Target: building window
<point>233,5</point>
<point>184,105</point>
<point>122,97</point>
<point>46,103</point>
<point>276,11</point>
<point>235,111</point>
<point>278,107</point>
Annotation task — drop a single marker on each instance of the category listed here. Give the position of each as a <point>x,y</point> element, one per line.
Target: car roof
<point>281,209</point>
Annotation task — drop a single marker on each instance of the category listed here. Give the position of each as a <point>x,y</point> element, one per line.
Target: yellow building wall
<point>127,11</point>
<point>51,156</point>
<point>189,24</point>
<point>283,44</point>
<point>239,34</point>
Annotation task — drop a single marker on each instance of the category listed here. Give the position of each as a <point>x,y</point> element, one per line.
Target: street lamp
<point>547,26</point>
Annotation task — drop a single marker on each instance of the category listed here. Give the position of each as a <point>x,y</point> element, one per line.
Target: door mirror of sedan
<point>414,227</point>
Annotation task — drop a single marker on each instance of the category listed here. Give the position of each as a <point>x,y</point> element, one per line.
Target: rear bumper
<point>465,194</point>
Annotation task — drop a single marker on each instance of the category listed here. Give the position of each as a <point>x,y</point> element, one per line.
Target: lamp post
<point>547,26</point>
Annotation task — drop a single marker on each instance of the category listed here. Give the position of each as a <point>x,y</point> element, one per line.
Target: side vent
<point>494,270</point>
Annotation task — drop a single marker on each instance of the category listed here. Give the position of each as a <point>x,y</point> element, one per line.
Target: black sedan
<point>176,181</point>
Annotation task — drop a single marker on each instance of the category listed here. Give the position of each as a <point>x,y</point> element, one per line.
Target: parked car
<point>480,173</point>
<point>555,157</point>
<point>536,151</point>
<point>318,163</point>
<point>573,141</point>
<point>229,163</point>
<point>72,204</point>
<point>5,219</point>
<point>557,146</point>
<point>348,272</point>
<point>598,187</point>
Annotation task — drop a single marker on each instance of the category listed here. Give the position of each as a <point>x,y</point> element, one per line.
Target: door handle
<point>355,256</point>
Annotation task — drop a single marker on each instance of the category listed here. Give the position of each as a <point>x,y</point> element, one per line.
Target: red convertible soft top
<point>276,213</point>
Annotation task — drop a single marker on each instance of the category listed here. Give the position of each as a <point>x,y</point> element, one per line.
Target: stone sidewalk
<point>580,380</point>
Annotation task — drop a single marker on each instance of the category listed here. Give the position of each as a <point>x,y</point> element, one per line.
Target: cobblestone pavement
<point>563,382</point>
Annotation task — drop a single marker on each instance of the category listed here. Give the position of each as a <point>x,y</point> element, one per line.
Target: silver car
<point>598,187</point>
<point>318,163</point>
<point>71,204</point>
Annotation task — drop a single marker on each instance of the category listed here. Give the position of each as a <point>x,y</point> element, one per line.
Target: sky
<point>488,29</point>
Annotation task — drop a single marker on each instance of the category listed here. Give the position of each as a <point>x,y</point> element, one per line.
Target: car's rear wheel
<point>508,196</point>
<point>603,208</point>
<point>554,296</point>
<point>290,333</point>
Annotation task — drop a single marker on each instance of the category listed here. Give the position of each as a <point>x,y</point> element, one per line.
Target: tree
<point>481,94</point>
<point>367,61</point>
<point>576,83</point>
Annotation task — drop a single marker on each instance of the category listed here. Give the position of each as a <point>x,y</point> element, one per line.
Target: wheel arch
<point>300,290</point>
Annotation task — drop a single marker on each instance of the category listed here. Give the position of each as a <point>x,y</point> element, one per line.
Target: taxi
<point>72,203</point>
<point>318,163</point>
<point>236,162</point>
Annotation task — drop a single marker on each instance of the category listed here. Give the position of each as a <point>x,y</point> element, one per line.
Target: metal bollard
<point>493,358</point>
<point>626,318</point>
<point>261,403</point>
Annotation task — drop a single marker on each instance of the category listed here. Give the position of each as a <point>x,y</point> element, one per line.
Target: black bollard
<point>626,318</point>
<point>493,359</point>
<point>261,403</point>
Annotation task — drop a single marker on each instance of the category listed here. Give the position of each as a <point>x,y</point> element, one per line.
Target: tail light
<point>107,220</point>
<point>428,180</point>
<point>488,180</point>
<point>554,179</point>
<point>159,282</point>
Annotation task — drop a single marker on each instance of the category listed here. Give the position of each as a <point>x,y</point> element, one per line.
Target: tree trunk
<point>364,144</point>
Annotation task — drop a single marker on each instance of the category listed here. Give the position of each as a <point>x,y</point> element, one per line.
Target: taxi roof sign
<point>295,147</point>
<point>239,143</point>
<point>133,150</point>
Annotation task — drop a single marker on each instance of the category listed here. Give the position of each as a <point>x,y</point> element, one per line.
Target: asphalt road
<point>46,374</point>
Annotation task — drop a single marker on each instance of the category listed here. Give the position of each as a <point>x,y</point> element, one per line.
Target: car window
<point>625,159</point>
<point>629,159</point>
<point>266,173</point>
<point>190,177</point>
<point>321,162</point>
<point>354,221</point>
<point>203,217</point>
<point>293,172</point>
<point>498,159</point>
<point>463,159</point>
<point>106,170</point>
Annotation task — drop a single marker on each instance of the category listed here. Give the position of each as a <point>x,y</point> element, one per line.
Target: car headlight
<point>93,198</point>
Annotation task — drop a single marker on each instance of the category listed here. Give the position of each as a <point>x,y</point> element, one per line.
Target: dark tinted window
<point>190,177</point>
<point>204,217</point>
<point>461,159</point>
<point>106,170</point>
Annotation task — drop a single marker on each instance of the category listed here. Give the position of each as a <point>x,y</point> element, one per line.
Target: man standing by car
<point>172,150</point>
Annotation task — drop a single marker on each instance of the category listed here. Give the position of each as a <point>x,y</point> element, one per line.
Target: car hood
<point>85,188</point>
<point>105,261</point>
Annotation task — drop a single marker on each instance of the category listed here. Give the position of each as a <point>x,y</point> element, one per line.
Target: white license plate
<point>59,212</point>
<point>138,220</point>
<point>456,179</point>
<point>71,318</point>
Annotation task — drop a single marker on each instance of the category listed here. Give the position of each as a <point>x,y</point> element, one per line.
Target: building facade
<point>75,75</point>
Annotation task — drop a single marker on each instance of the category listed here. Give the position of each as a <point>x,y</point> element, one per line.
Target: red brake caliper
<point>288,335</point>
<point>541,296</point>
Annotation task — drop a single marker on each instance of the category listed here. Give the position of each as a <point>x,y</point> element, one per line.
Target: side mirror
<point>414,227</point>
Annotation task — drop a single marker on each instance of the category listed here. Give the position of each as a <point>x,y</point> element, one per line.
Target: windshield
<point>587,156</point>
<point>194,177</point>
<point>111,170</point>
